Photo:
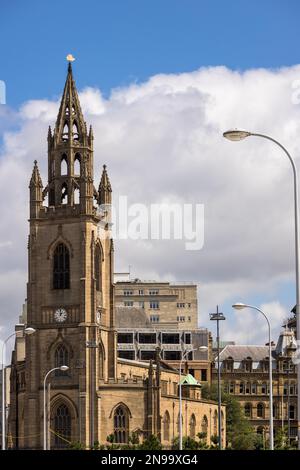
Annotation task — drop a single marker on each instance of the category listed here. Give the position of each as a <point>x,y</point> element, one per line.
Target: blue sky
<point>119,41</point>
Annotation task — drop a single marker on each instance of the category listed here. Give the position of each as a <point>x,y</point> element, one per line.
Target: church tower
<point>70,285</point>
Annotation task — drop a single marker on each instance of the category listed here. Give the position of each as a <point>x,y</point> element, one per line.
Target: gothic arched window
<point>75,131</point>
<point>121,425</point>
<point>62,426</point>
<point>166,428</point>
<point>65,134</point>
<point>64,194</point>
<point>98,268</point>
<point>64,165</point>
<point>61,267</point>
<point>193,426</point>
<point>204,424</point>
<point>77,161</point>
<point>61,359</point>
<point>215,423</point>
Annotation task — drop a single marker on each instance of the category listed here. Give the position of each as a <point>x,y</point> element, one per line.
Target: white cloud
<point>162,140</point>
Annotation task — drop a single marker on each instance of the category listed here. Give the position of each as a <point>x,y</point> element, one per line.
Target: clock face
<point>60,315</point>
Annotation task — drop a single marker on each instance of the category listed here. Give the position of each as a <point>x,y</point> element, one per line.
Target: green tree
<point>151,443</point>
<point>239,433</point>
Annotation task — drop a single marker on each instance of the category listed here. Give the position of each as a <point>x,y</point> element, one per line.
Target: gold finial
<point>70,58</point>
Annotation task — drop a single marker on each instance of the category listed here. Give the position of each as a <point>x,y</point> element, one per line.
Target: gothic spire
<point>70,124</point>
<point>105,189</point>
<point>36,180</point>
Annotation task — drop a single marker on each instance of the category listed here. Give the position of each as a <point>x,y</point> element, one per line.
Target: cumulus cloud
<point>162,140</point>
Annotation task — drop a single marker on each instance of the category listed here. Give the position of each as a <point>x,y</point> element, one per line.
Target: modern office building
<point>163,303</point>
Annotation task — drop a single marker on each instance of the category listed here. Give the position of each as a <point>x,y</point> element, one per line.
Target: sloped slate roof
<point>239,353</point>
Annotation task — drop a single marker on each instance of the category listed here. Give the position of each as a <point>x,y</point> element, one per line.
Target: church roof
<point>189,379</point>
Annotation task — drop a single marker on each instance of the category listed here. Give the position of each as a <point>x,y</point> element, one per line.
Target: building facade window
<point>128,292</point>
<point>61,358</point>
<point>260,410</point>
<point>204,424</point>
<point>153,292</point>
<point>121,425</point>
<point>61,267</point>
<point>248,410</point>
<point>154,318</point>
<point>128,303</point>
<point>154,304</point>
<point>98,270</point>
<point>166,426</point>
<point>62,427</point>
<point>192,426</point>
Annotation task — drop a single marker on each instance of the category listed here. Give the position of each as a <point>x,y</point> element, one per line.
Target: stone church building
<point>70,304</point>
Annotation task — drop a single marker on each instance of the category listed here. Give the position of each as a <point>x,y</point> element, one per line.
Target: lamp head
<point>236,134</point>
<point>203,348</point>
<point>239,306</point>
<point>64,368</point>
<point>29,330</point>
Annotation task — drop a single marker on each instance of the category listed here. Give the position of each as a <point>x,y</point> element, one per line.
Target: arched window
<point>215,422</point>
<point>254,388</point>
<point>61,359</point>
<point>64,165</point>
<point>77,161</point>
<point>242,388</point>
<point>166,428</point>
<point>248,388</point>
<point>248,410</point>
<point>260,410</point>
<point>177,423</point>
<point>193,426</point>
<point>75,131</point>
<point>76,196</point>
<point>264,388</point>
<point>204,424</point>
<point>62,426</point>
<point>64,194</point>
<point>121,425</point>
<point>65,134</point>
<point>98,268</point>
<point>61,267</point>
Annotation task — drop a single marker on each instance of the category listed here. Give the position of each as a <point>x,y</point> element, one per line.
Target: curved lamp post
<point>240,306</point>
<point>27,331</point>
<point>62,368</point>
<point>201,348</point>
<point>239,134</point>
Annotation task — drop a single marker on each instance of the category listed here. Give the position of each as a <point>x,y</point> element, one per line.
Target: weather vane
<point>70,58</point>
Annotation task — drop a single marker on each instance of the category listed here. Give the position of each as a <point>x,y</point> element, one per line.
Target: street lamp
<point>218,316</point>
<point>201,348</point>
<point>62,368</point>
<point>27,331</point>
<point>236,135</point>
<point>240,306</point>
